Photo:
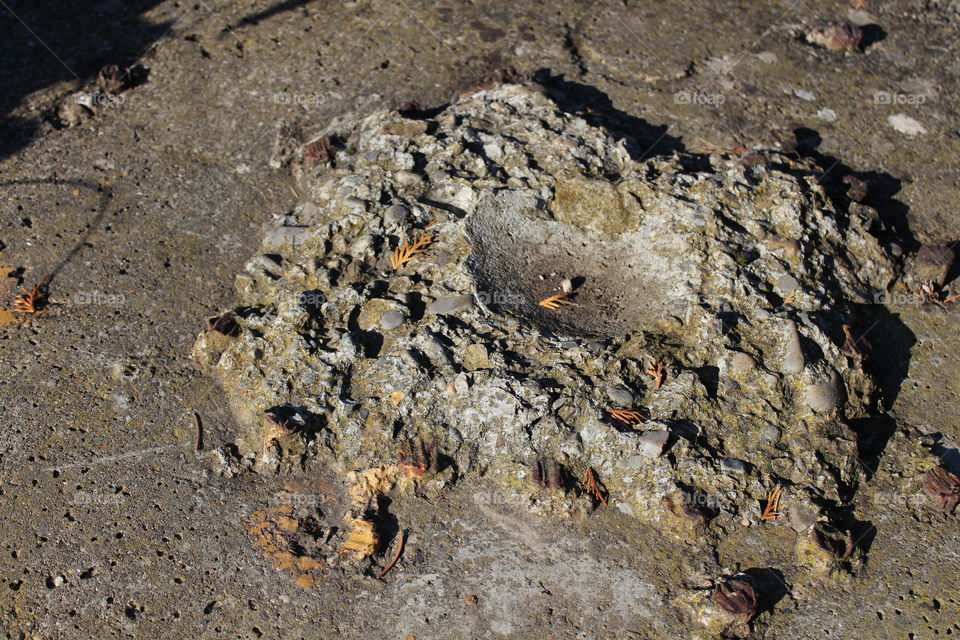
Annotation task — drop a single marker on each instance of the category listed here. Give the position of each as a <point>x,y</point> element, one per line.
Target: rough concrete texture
<point>142,205</point>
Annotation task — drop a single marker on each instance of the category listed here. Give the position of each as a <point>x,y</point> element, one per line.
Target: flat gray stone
<point>450,305</point>
<point>392,319</point>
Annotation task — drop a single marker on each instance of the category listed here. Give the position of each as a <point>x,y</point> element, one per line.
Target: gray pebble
<point>770,434</point>
<point>450,305</point>
<point>801,517</point>
<point>651,443</point>
<point>793,360</point>
<point>787,283</point>
<point>408,178</point>
<point>281,236</point>
<point>824,397</point>
<point>732,465</point>
<point>392,319</point>
<point>742,363</point>
<point>355,204</point>
<point>395,213</point>
<point>621,396</point>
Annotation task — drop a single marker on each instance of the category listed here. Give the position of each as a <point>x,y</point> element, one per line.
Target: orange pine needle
<point>32,301</point>
<point>396,556</point>
<point>658,371</point>
<point>591,484</point>
<point>627,416</point>
<point>554,302</point>
<point>772,510</point>
<point>404,254</point>
<point>952,298</point>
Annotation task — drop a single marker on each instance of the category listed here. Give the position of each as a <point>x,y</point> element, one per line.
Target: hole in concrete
<point>619,280</point>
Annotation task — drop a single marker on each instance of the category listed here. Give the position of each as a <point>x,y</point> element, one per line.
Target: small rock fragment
<point>944,487</point>
<point>450,305</point>
<point>736,596</point>
<point>857,189</point>
<point>742,363</point>
<point>842,37</point>
<point>934,263</point>
<point>112,79</point>
<point>651,443</point>
<point>72,112</point>
<point>620,396</point>
<point>395,214</point>
<point>793,360</point>
<point>906,125</point>
<point>824,397</point>
<point>392,319</point>
<point>790,248</point>
<point>733,465</point>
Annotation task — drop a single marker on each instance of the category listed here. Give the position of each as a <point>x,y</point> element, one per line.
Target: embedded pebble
<point>450,305</point>
<point>392,319</point>
<point>395,213</point>
<point>355,204</point>
<point>793,360</point>
<point>651,443</point>
<point>732,465</point>
<point>933,263</point>
<point>770,434</point>
<point>824,397</point>
<point>620,396</point>
<point>742,363</point>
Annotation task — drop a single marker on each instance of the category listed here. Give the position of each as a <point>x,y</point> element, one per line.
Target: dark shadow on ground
<point>259,16</point>
<point>771,587</point>
<point>46,42</point>
<point>893,224</point>
<point>873,434</point>
<point>644,139</point>
<point>888,342</point>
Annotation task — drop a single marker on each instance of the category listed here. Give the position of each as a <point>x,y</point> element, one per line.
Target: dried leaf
<point>772,510</point>
<point>591,484</point>
<point>33,301</point>
<point>407,252</point>
<point>627,416</point>
<point>554,302</point>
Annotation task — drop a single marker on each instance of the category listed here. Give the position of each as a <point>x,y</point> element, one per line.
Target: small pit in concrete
<point>522,255</point>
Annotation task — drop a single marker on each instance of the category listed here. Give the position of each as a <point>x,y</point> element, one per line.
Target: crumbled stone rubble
<point>737,276</point>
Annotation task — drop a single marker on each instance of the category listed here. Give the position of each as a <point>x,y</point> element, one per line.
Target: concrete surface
<point>114,527</point>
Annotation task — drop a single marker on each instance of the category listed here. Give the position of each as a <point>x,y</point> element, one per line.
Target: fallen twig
<point>396,556</point>
<point>197,432</point>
